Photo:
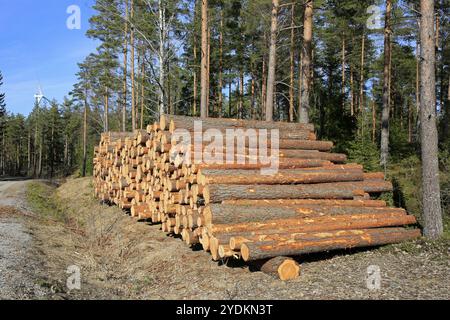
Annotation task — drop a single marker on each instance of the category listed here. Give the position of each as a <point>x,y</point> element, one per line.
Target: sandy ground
<point>20,264</point>
<point>122,258</point>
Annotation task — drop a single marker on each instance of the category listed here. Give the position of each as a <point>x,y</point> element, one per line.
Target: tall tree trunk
<point>343,72</point>
<point>125,71</point>
<point>204,63</point>
<point>300,83</point>
<point>106,111</point>
<point>83,169</point>
<point>220,86</point>
<point>229,97</point>
<point>194,103</point>
<point>133,102</point>
<point>391,106</point>
<point>418,75</point>
<point>410,115</point>
<point>137,90</point>
<point>162,57</point>
<point>307,61</point>
<point>374,120</point>
<point>29,154</point>
<point>352,92</point>
<point>431,199</point>
<point>386,83</point>
<point>208,68</point>
<point>253,98</point>
<point>292,65</point>
<point>361,81</point>
<point>263,89</point>
<point>241,93</point>
<point>272,61</point>
<point>142,88</point>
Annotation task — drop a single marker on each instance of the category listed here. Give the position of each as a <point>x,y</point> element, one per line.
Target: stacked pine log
<point>313,203</point>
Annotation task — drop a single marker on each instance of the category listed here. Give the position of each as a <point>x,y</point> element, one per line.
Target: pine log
<point>252,155</point>
<point>225,214</point>
<point>288,144</point>
<point>289,176</point>
<point>299,224</point>
<point>284,163</point>
<point>172,122</point>
<point>359,238</point>
<point>300,202</point>
<point>216,193</point>
<point>282,267</point>
<point>283,134</point>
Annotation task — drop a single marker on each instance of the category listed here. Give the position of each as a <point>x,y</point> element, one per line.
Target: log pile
<point>315,201</point>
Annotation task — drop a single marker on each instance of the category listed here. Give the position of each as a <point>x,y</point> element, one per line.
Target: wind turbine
<point>39,96</point>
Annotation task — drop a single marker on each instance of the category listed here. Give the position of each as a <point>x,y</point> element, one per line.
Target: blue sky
<point>37,48</point>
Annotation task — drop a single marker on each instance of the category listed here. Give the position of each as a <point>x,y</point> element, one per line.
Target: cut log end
<point>285,268</point>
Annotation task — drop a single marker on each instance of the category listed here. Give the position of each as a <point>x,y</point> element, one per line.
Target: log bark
<point>282,267</point>
<point>342,190</point>
<point>172,122</point>
<point>227,214</point>
<point>238,233</point>
<point>284,163</point>
<point>285,176</point>
<point>294,144</point>
<point>354,239</point>
<point>300,202</point>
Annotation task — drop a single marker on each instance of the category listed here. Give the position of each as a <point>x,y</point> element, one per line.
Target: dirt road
<point>20,265</point>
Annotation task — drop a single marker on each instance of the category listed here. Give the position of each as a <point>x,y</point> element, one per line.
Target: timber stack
<point>314,202</point>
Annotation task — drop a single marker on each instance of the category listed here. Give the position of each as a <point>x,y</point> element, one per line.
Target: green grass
<point>42,200</point>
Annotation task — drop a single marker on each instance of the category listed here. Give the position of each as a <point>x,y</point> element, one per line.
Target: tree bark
<point>220,86</point>
<point>292,66</point>
<point>133,97</point>
<point>307,62</point>
<point>172,122</point>
<point>301,202</point>
<point>342,190</point>
<point>432,213</point>
<point>231,214</point>
<point>361,81</point>
<point>106,112</point>
<point>125,71</point>
<point>326,242</point>
<point>283,267</point>
<point>272,61</point>
<point>162,57</point>
<point>83,169</point>
<point>386,84</point>
<point>194,103</point>
<point>204,62</point>
<point>286,176</point>
<point>343,73</point>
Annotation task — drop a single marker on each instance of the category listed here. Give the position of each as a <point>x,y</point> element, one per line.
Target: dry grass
<point>121,258</point>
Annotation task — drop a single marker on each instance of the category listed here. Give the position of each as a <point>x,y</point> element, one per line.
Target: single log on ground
<point>282,267</point>
<point>216,193</point>
<point>360,238</point>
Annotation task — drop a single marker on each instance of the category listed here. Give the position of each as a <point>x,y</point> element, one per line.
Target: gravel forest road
<point>19,263</point>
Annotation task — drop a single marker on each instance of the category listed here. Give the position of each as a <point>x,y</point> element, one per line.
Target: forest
<point>352,68</point>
